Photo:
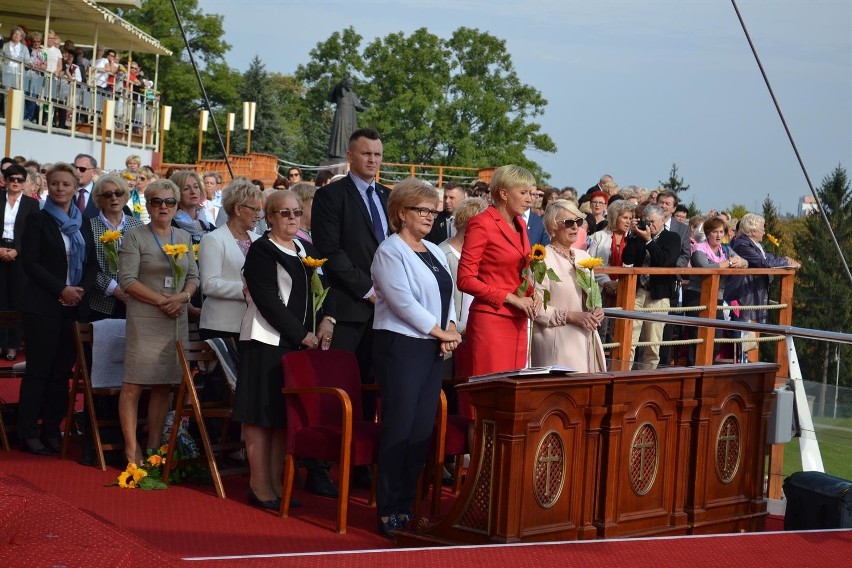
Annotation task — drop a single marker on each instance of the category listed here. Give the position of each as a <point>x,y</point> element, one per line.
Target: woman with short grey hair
<point>221,255</point>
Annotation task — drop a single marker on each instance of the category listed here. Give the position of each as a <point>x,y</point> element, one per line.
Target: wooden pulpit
<point>624,454</point>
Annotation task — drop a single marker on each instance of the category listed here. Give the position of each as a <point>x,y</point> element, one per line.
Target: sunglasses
<point>571,222</point>
<point>159,202</point>
<point>289,212</point>
<point>16,179</point>
<point>82,169</point>
<point>143,178</point>
<point>111,194</point>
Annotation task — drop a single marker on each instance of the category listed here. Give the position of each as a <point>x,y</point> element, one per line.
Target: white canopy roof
<point>78,21</point>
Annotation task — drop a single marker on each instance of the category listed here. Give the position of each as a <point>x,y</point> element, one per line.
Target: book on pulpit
<point>524,372</point>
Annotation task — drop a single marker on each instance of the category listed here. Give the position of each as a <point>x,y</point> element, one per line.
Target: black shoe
<point>34,446</point>
<point>53,444</point>
<point>272,504</point>
<point>362,477</point>
<point>386,528</point>
<point>320,484</point>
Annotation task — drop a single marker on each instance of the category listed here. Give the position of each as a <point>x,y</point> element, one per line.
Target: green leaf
<point>148,483</point>
<point>522,289</point>
<point>545,297</point>
<point>553,276</point>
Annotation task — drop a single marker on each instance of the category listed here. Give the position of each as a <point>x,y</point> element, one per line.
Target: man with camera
<point>649,243</point>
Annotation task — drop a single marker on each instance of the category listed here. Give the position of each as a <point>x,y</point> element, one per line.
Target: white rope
<point>610,345</point>
<point>669,343</point>
<point>670,309</point>
<point>748,339</point>
<point>754,307</point>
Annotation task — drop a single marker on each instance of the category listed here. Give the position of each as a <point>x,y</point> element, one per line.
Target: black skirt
<point>258,399</point>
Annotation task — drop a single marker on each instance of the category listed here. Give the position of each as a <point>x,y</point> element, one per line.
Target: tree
<point>674,183</point>
<point>177,83</point>
<point>268,135</point>
<point>822,296</point>
<point>452,102</point>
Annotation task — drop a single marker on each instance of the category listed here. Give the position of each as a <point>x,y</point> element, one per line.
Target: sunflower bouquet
<point>534,273</point>
<point>147,475</point>
<point>110,240</point>
<point>175,253</point>
<point>318,291</point>
<point>587,282</point>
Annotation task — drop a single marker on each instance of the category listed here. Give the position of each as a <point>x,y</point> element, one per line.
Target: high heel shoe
<point>271,505</point>
<point>11,354</point>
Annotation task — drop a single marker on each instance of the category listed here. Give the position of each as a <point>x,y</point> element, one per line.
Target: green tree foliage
<point>177,83</point>
<point>268,136</point>
<point>453,102</point>
<point>822,293</point>
<point>674,183</point>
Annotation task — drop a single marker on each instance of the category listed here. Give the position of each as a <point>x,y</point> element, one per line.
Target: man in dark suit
<point>652,246</point>
<point>535,228</point>
<point>605,179</point>
<point>668,201</point>
<point>87,167</point>
<point>444,226</point>
<point>348,222</point>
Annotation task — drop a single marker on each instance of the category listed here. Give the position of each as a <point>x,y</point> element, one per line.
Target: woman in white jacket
<point>221,255</point>
<point>414,327</point>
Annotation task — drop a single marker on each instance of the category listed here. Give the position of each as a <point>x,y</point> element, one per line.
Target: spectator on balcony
<point>15,53</point>
<point>35,78</point>
<point>105,71</point>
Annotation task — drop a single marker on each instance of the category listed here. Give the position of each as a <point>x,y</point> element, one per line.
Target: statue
<point>345,118</point>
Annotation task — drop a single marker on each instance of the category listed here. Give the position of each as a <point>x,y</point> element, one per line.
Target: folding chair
<point>189,404</point>
<point>8,321</point>
<point>82,383</point>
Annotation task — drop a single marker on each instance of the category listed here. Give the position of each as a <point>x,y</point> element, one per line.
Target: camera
<point>642,225</point>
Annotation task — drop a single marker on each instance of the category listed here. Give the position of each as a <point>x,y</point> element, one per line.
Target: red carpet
<point>71,519</point>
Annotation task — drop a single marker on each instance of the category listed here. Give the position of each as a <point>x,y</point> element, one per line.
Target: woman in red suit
<point>496,249</point>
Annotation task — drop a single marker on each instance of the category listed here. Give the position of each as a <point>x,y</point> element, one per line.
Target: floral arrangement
<point>195,250</point>
<point>534,273</point>
<point>137,210</point>
<point>147,475</point>
<point>587,282</point>
<point>175,253</point>
<point>318,291</point>
<point>110,240</point>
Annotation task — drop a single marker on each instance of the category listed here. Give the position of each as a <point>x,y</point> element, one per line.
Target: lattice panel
<point>728,444</point>
<point>478,508</point>
<point>644,459</point>
<point>549,472</point>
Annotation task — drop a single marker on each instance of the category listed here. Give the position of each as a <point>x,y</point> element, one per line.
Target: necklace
<point>427,259</point>
<point>569,254</point>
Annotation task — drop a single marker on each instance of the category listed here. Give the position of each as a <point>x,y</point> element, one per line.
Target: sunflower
<point>177,251</point>
<point>137,208</point>
<point>110,236</point>
<point>311,262</point>
<point>138,475</point>
<point>538,252</point>
<point>590,263</point>
<point>195,250</point>
<point>122,480</point>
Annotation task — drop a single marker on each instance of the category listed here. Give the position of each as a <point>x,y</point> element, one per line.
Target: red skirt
<point>497,343</point>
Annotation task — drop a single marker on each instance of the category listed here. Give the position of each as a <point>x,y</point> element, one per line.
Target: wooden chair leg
<point>3,437</point>
<point>170,450</point>
<point>195,403</point>
<point>287,485</point>
<point>458,474</point>
<point>69,414</point>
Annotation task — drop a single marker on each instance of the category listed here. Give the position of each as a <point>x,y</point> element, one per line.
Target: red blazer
<point>492,258</point>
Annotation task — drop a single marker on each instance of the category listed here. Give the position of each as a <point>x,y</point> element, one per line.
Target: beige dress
<point>557,343</point>
<point>150,356</point>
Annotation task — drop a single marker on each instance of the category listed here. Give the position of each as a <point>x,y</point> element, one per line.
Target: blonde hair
<point>408,193</point>
<point>507,177</point>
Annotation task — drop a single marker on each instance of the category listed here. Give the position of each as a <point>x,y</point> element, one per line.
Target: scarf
<point>713,257</point>
<point>69,224</point>
<point>134,198</point>
<point>198,227</point>
<point>615,252</point>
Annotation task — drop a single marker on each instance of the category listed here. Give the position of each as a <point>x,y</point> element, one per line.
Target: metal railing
<point>66,106</point>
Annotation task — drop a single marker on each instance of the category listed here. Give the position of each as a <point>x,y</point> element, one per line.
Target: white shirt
<point>9,219</point>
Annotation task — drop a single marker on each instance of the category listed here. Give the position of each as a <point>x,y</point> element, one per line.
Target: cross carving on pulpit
<point>644,445</point>
<point>727,436</point>
<point>547,460</point>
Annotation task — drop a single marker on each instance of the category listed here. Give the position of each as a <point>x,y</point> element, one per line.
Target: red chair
<point>325,420</point>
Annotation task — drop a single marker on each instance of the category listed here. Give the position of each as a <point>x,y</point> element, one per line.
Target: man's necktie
<point>378,230</point>
<point>81,199</point>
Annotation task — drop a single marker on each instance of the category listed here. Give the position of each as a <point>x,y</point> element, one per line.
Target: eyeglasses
<point>159,202</point>
<point>82,169</point>
<point>143,178</point>
<point>289,212</point>
<point>16,179</point>
<point>571,222</point>
<point>598,202</point>
<point>111,194</point>
<point>258,211</point>
<point>425,211</point>
<point>293,175</point>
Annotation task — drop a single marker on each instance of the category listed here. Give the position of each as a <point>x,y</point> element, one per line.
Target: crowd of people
<point>412,274</point>
<point>72,79</point>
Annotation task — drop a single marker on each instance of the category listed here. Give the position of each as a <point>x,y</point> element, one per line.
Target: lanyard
<point>160,246</point>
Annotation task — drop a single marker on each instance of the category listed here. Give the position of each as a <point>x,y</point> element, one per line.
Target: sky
<point>632,86</point>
